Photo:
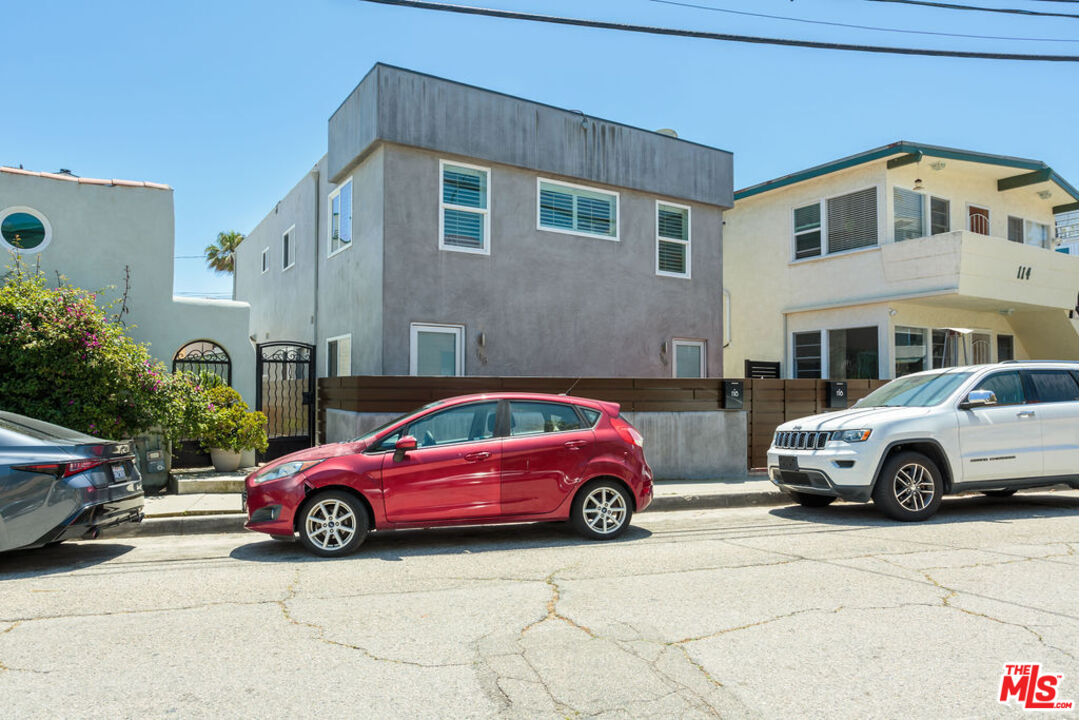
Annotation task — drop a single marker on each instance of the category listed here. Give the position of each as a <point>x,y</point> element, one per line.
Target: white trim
<point>684,342</point>
<point>338,338</point>
<point>40,217</point>
<point>988,219</point>
<point>442,207</point>
<point>617,210</point>
<point>291,248</point>
<point>458,331</point>
<point>265,258</point>
<point>330,252</point>
<point>688,274</point>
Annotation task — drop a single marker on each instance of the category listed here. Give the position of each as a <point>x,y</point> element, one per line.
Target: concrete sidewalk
<point>221,512</point>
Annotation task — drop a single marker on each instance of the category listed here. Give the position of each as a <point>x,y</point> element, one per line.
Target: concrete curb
<point>208,522</point>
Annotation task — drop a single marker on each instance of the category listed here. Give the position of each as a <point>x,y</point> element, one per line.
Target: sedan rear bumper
<point>95,518</point>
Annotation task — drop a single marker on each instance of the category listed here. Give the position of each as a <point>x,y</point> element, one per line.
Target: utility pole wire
<point>676,32</point>
<point>957,6</point>
<point>865,27</point>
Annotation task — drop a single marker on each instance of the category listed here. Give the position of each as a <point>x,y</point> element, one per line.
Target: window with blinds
<point>939,216</point>
<point>1015,229</point>
<point>909,212</point>
<point>807,231</point>
<point>572,209</point>
<point>672,240</point>
<point>464,208</point>
<point>852,220</point>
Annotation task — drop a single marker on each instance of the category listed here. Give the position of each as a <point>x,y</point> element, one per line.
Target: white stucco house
<point>900,259</point>
<point>89,229</point>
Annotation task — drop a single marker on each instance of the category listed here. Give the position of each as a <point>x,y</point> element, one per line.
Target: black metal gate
<point>204,356</point>
<point>286,394</point>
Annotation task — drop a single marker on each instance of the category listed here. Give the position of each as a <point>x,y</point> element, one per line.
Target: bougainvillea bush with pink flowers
<point>66,360</point>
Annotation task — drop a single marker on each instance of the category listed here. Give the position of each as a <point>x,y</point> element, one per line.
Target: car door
<point>544,455</point>
<point>1002,441</point>
<point>454,472</point>
<point>1057,393</point>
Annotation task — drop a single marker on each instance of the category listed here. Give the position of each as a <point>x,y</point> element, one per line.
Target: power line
<point>864,27</point>
<point>677,32</point>
<point>956,6</point>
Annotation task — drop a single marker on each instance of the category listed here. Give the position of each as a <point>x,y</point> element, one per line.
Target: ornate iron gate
<point>204,356</point>
<point>286,394</point>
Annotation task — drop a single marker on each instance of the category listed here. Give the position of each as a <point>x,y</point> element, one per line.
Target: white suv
<point>991,428</point>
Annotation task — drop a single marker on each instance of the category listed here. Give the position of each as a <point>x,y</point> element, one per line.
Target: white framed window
<point>288,258</point>
<point>340,225</point>
<point>808,354</point>
<point>908,214</point>
<point>940,216</point>
<point>1036,234</point>
<point>837,224</point>
<point>436,349</point>
<point>673,256</point>
<point>690,358</point>
<point>576,209</point>
<point>266,260</point>
<point>464,202</point>
<point>339,356</point>
<point>24,230</point>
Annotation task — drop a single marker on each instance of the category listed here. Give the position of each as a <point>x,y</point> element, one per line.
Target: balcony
<point>984,272</point>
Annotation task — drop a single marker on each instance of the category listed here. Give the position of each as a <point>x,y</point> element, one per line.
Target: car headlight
<point>284,470</point>
<point>852,436</point>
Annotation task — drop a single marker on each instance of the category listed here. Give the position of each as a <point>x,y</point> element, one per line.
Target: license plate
<point>119,472</point>
<point>788,462</point>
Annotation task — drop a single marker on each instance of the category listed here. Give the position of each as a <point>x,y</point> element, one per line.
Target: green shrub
<point>229,424</point>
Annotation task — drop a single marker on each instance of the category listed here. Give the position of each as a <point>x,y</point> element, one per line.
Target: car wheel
<point>999,493</point>
<point>601,510</point>
<point>811,500</point>
<point>909,487</point>
<point>333,523</point>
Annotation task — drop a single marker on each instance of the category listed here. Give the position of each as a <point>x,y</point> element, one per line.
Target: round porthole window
<point>24,230</point>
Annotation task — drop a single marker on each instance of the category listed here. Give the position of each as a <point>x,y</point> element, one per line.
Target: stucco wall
<point>548,303</point>
<point>677,445</point>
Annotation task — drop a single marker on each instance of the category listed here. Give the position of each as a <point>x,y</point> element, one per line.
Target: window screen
<point>852,220</point>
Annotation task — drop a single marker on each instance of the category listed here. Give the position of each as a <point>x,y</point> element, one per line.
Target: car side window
<point>533,418</point>
<point>1055,386</point>
<point>591,416</point>
<point>1007,386</point>
<point>465,423</point>
<point>387,443</point>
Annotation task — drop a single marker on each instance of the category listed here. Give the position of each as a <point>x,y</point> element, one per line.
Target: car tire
<point>810,500</point>
<point>601,510</point>
<point>332,524</point>
<point>999,493</point>
<point>909,488</point>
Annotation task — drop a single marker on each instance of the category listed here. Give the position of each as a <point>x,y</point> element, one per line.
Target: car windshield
<point>372,433</point>
<point>915,390</point>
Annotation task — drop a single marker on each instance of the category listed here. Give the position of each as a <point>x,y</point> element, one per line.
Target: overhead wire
<point>728,37</point>
<point>980,8</point>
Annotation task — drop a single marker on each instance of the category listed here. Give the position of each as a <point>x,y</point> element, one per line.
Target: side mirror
<point>978,398</point>
<point>404,444</point>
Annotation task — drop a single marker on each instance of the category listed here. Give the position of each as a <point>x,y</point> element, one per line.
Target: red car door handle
<point>477,456</point>
<point>576,444</point>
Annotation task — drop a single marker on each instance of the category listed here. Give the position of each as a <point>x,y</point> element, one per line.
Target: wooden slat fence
<point>767,402</point>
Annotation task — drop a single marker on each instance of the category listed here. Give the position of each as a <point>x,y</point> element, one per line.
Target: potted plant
<point>230,428</point>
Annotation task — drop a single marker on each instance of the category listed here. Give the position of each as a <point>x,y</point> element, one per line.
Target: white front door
<point>1003,441</point>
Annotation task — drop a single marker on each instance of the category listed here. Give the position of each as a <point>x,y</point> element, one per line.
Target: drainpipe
<point>315,176</point>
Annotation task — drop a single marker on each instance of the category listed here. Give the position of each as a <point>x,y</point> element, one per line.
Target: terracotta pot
<point>225,460</point>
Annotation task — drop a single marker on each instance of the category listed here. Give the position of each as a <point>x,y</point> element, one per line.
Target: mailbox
<point>733,394</point>
<point>837,394</point>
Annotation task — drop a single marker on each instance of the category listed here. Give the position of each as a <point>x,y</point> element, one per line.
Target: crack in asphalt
<point>7,668</point>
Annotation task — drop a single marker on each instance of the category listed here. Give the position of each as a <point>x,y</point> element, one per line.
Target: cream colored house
<point>900,259</point>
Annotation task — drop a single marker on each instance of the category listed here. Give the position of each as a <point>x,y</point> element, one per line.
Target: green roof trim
<point>908,149</point>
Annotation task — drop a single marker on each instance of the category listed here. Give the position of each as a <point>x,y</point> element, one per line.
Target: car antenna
<point>572,386</point>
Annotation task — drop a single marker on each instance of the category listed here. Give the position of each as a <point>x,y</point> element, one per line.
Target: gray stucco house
<point>455,230</point>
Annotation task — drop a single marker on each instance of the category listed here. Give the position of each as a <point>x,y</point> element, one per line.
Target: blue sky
<point>227,100</point>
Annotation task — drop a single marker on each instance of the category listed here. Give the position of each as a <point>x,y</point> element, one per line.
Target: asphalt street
<point>757,612</point>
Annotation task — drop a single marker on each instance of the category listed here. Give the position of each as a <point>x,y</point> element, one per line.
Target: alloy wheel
<point>913,487</point>
<point>604,510</point>
<point>330,524</point>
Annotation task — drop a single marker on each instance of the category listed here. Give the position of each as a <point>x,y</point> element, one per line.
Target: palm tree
<point>221,255</point>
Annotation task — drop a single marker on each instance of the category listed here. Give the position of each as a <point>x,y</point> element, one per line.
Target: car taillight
<point>627,432</point>
<point>62,470</point>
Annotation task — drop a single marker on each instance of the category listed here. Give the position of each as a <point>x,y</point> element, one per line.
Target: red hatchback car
<point>469,460</point>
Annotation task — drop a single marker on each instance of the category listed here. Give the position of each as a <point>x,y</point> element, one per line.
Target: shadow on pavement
<point>58,559</point>
<point>395,545</point>
<point>977,508</point>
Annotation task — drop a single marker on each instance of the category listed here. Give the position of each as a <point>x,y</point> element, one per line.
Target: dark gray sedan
<point>58,484</point>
